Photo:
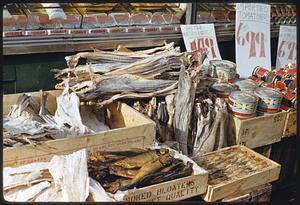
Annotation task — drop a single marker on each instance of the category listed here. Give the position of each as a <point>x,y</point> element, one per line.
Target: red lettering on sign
<point>292,50</point>
<point>260,39</point>
<point>240,40</point>
<point>281,52</point>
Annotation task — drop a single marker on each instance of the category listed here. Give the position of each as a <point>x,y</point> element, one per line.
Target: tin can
<point>257,80</point>
<point>280,85</point>
<point>280,72</point>
<point>243,104</point>
<point>223,90</point>
<point>291,66</point>
<point>290,99</point>
<point>269,99</point>
<point>240,116</point>
<point>276,78</point>
<point>261,73</point>
<point>222,69</point>
<point>292,72</point>
<point>286,84</point>
<point>287,76</point>
<point>268,85</point>
<point>246,84</point>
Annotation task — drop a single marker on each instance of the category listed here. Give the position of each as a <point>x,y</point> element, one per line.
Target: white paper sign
<point>201,37</point>
<point>252,37</point>
<point>287,46</point>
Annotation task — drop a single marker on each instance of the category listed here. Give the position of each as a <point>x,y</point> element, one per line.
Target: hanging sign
<point>201,37</point>
<point>287,45</point>
<point>252,37</point>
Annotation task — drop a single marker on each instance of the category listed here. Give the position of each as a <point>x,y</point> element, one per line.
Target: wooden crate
<point>257,131</point>
<point>290,125</point>
<point>258,194</point>
<point>238,184</point>
<point>174,190</point>
<point>129,129</point>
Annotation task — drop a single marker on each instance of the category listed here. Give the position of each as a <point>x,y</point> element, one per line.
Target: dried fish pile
<point>123,170</point>
<point>161,111</point>
<point>228,165</point>
<point>29,122</point>
<point>64,178</point>
<point>210,119</point>
<point>109,76</point>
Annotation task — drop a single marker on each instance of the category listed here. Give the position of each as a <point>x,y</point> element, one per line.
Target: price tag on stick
<point>252,37</point>
<point>287,45</point>
<point>201,37</point>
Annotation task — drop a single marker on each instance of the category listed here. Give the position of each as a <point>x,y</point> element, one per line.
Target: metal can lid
<point>223,87</point>
<point>243,96</point>
<point>223,63</point>
<point>246,84</point>
<point>268,92</point>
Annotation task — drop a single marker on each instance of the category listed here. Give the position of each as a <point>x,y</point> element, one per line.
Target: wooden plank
<point>133,129</point>
<point>174,190</point>
<point>257,194</point>
<point>268,174</point>
<point>290,126</point>
<point>257,131</point>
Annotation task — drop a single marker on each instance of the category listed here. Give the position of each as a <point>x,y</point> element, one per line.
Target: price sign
<point>201,37</point>
<point>252,37</point>
<point>287,45</point>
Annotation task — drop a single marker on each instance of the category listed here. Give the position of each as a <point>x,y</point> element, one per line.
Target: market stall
<point>148,102</point>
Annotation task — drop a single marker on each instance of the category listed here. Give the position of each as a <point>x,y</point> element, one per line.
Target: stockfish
<point>70,174</point>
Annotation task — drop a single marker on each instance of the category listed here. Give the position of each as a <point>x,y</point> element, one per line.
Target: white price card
<point>201,37</point>
<point>287,46</point>
<point>252,37</point>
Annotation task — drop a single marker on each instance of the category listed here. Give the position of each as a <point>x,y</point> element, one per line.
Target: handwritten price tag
<point>252,37</point>
<point>287,44</point>
<point>201,37</point>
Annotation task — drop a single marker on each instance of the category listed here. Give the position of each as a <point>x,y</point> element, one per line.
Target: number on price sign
<point>287,43</point>
<point>253,39</point>
<point>288,46</point>
<point>204,44</point>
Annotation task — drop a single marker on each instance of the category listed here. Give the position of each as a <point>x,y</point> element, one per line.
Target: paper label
<point>287,46</point>
<point>201,37</point>
<point>252,37</point>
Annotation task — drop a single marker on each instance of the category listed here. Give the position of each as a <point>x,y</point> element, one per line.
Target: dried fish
<point>28,193</point>
<point>136,161</point>
<point>138,171</point>
<point>184,101</point>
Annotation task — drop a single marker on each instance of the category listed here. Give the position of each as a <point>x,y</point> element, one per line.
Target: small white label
<point>55,12</point>
<point>201,37</point>
<point>287,46</point>
<point>252,37</point>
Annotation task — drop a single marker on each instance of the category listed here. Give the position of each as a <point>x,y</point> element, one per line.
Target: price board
<point>287,46</point>
<point>201,37</point>
<point>252,37</point>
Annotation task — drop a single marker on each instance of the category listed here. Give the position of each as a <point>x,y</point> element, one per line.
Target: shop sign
<point>287,45</point>
<point>252,37</point>
<point>201,37</point>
